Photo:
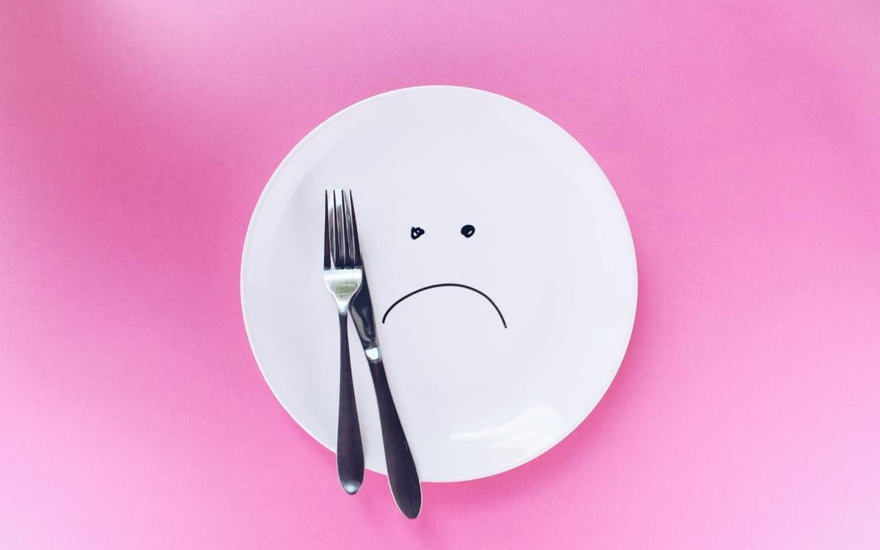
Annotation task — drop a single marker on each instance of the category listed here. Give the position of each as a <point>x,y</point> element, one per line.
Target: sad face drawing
<point>467,231</point>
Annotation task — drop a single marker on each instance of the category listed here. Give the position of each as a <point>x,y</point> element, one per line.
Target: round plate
<point>502,201</point>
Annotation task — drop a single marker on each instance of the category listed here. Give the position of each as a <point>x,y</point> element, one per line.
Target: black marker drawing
<point>416,232</point>
<point>468,230</point>
<point>424,288</point>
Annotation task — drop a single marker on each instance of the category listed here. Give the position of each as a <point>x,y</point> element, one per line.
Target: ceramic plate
<point>509,215</point>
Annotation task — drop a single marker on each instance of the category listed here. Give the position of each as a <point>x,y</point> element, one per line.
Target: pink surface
<point>743,139</point>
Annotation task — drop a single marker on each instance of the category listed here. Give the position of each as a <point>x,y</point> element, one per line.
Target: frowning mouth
<point>429,287</point>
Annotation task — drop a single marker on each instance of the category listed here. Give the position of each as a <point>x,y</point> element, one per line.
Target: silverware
<point>402,474</point>
<point>343,276</point>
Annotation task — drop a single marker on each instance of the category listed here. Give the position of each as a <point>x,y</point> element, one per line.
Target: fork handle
<point>402,474</point>
<point>349,446</point>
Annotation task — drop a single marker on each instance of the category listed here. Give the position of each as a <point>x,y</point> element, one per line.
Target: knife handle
<point>402,474</point>
<point>349,446</point>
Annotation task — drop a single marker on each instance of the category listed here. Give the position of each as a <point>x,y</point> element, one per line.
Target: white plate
<point>551,248</point>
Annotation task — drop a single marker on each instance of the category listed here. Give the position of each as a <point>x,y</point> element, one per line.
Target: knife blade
<point>402,474</point>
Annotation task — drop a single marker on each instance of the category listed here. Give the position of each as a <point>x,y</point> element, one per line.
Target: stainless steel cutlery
<point>343,277</point>
<point>346,279</point>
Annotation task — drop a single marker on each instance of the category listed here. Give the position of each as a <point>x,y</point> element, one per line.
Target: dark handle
<point>402,474</point>
<point>349,447</point>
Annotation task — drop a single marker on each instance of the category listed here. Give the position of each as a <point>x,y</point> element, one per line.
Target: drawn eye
<point>416,232</point>
<point>467,231</point>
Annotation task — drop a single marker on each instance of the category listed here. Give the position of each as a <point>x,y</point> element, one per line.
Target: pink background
<point>743,139</point>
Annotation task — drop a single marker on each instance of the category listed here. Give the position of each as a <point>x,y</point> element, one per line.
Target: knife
<point>402,474</point>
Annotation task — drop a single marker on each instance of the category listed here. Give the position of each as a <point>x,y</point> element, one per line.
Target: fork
<point>343,277</point>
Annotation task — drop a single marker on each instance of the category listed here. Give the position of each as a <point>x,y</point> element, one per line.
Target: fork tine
<point>327,262</point>
<point>349,230</point>
<point>355,240</point>
<point>338,258</point>
<point>342,258</point>
<point>331,223</point>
